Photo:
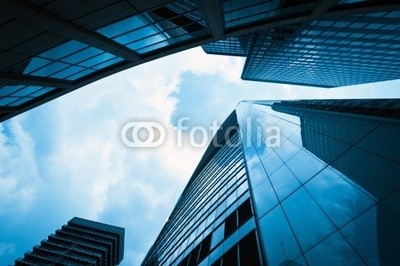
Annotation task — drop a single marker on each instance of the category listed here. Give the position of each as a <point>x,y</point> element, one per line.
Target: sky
<point>66,158</point>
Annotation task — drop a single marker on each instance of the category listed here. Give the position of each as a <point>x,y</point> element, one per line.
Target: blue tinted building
<point>292,183</point>
<point>52,47</point>
<point>79,242</point>
<point>340,43</point>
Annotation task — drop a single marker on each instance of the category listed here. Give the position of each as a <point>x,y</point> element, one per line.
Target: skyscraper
<point>340,48</point>
<point>79,242</point>
<point>52,47</point>
<point>292,183</point>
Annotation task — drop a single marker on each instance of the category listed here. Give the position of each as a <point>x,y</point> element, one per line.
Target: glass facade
<point>239,13</point>
<point>355,49</point>
<point>16,95</point>
<point>236,46</point>
<point>160,27</point>
<point>86,41</point>
<point>70,60</point>
<point>212,222</point>
<point>336,50</point>
<point>80,242</point>
<point>322,195</point>
<point>300,183</point>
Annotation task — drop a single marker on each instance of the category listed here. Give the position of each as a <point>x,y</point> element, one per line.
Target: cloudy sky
<point>66,158</point>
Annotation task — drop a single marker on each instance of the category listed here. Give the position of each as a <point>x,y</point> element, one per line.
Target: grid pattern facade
<point>167,25</point>
<point>333,50</point>
<point>353,49</point>
<point>212,223</point>
<point>19,94</point>
<point>238,46</point>
<point>80,242</point>
<point>52,47</point>
<point>328,194</point>
<point>70,60</point>
<point>239,13</point>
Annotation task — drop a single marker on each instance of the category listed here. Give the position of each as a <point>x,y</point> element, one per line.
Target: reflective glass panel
<point>278,238</point>
<point>333,251</point>
<point>310,224</point>
<point>339,198</point>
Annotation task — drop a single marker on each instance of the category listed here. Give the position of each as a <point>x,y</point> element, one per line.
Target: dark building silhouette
<point>312,182</point>
<point>79,242</point>
<point>52,47</point>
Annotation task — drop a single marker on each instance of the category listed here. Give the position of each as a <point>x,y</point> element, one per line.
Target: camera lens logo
<point>143,134</point>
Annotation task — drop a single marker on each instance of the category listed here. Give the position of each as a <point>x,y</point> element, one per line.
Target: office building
<point>79,242</point>
<point>311,182</point>
<point>52,47</point>
<point>341,48</point>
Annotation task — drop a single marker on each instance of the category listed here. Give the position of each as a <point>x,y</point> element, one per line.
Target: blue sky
<point>65,158</point>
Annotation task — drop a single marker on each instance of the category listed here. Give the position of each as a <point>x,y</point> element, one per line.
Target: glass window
<point>248,250</point>
<point>278,238</point>
<point>393,203</point>
<point>369,176</point>
<point>7,90</point>
<point>325,148</point>
<point>6,101</point>
<point>246,228</point>
<point>289,129</point>
<point>205,247</point>
<point>244,212</point>
<point>122,26</point>
<point>284,182</point>
<point>82,55</point>
<point>252,159</point>
<point>264,198</point>
<point>304,158</point>
<point>272,163</point>
<point>108,63</point>
<point>81,74</point>
<point>67,72</point>
<point>333,251</point>
<point>230,224</point>
<point>36,63</point>
<point>218,235</point>
<point>139,34</point>
<point>63,50</point>
<point>363,234</point>
<point>26,91</point>
<point>97,60</point>
<point>380,142</point>
<point>50,69</point>
<point>341,200</point>
<point>149,47</point>
<point>257,175</point>
<point>217,253</point>
<point>312,227</point>
<point>296,138</point>
<point>230,257</point>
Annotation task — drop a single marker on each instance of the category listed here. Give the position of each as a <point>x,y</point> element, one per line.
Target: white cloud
<point>18,169</point>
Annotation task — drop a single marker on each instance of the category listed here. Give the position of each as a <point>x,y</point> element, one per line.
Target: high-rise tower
<point>292,183</point>
<point>79,242</point>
